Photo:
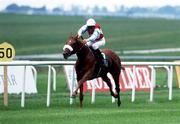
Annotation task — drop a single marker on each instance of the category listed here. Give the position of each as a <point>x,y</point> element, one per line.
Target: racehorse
<point>87,67</point>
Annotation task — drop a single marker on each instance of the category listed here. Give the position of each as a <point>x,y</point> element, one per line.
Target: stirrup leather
<point>105,60</point>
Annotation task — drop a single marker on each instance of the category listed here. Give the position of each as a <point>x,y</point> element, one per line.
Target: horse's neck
<point>84,54</point>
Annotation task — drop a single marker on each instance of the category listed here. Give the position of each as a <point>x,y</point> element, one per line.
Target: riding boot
<point>99,57</point>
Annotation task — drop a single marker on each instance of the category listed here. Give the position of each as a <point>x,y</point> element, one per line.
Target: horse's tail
<point>122,68</point>
<point>120,65</point>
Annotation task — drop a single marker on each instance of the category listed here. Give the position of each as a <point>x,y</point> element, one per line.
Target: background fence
<point>168,65</point>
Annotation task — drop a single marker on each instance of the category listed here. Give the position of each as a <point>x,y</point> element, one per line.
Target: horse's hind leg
<point>107,80</point>
<point>115,75</point>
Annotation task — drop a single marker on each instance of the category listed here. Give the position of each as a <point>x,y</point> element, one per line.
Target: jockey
<point>96,39</point>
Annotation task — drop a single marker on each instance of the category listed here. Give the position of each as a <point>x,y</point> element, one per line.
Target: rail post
<point>5,86</point>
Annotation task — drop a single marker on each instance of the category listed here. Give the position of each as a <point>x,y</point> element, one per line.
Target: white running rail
<point>50,63</point>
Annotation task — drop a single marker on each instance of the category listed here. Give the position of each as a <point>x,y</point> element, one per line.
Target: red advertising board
<point>141,78</point>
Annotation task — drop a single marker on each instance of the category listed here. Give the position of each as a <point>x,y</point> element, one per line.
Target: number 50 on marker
<point>7,52</point>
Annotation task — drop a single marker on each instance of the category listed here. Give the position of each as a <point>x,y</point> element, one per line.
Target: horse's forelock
<point>70,39</point>
<point>74,39</point>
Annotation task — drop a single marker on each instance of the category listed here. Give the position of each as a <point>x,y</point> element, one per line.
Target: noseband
<point>68,47</point>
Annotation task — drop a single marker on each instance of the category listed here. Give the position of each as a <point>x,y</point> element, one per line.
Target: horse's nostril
<point>66,55</point>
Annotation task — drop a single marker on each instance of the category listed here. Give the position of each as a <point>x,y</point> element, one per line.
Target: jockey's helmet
<point>90,22</point>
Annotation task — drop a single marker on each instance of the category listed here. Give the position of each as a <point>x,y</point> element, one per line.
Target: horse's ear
<point>76,36</point>
<point>71,35</point>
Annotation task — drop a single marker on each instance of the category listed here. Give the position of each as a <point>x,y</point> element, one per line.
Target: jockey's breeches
<point>96,45</point>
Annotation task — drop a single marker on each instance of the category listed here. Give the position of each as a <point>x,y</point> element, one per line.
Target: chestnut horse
<point>87,67</point>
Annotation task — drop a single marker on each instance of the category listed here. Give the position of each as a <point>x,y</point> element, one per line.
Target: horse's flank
<point>113,57</point>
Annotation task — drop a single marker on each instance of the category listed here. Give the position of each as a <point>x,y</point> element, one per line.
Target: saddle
<point>102,59</point>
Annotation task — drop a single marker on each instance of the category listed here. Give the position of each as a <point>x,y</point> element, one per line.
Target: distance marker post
<point>7,53</point>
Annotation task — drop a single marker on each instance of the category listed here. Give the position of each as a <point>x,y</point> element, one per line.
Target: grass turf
<point>103,111</point>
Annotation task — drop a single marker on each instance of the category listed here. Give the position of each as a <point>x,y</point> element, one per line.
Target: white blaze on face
<point>67,47</point>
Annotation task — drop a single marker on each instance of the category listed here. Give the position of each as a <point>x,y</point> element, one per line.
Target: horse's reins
<point>82,45</point>
<point>82,38</point>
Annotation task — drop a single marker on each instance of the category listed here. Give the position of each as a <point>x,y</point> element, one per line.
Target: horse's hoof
<point>74,95</point>
<point>119,103</point>
<point>115,95</point>
<point>81,105</point>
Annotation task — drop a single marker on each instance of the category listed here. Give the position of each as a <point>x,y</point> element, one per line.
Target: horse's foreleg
<point>81,95</point>
<point>78,86</point>
<point>80,82</point>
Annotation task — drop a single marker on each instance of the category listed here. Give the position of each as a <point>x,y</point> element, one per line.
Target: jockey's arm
<point>94,36</point>
<point>82,30</point>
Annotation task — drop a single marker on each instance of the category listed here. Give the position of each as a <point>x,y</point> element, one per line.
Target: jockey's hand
<point>78,36</point>
<point>85,41</point>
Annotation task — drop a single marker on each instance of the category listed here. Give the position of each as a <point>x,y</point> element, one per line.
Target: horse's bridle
<point>81,48</point>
